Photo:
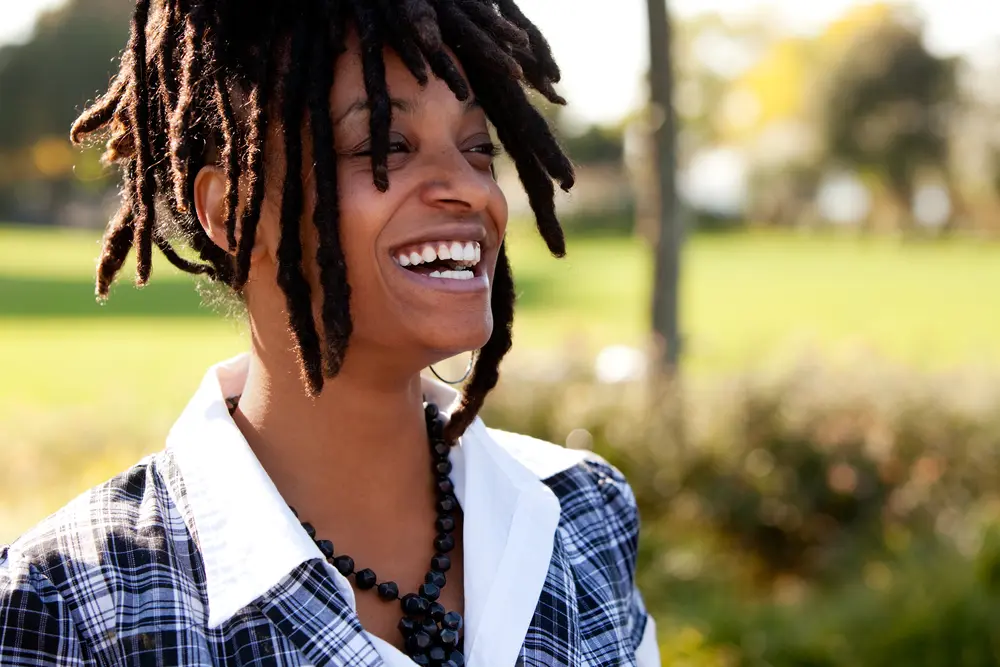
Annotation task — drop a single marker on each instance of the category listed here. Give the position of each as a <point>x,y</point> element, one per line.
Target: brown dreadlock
<point>245,64</point>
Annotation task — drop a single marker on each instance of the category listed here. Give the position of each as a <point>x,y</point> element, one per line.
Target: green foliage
<point>46,81</point>
<point>888,106</point>
<point>596,145</point>
<point>816,514</point>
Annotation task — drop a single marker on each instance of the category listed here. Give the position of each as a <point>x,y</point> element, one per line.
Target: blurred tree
<point>45,82</point>
<point>586,145</point>
<point>666,327</point>
<point>713,54</point>
<point>596,145</point>
<point>887,108</point>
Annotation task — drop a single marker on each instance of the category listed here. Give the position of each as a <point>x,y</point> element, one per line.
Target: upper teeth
<point>456,251</point>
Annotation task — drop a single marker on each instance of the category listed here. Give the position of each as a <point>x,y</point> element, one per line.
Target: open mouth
<point>447,260</point>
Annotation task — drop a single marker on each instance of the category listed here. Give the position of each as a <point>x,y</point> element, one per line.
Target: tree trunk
<point>664,127</point>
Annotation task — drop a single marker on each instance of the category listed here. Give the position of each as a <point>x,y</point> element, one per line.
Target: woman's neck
<point>359,448</point>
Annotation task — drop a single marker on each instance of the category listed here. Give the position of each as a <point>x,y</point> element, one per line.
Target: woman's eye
<point>395,147</point>
<point>489,149</point>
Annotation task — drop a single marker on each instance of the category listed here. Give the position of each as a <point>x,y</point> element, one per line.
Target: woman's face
<point>420,256</point>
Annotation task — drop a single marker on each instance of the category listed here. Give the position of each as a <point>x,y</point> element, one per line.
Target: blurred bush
<point>817,514</point>
<point>46,83</point>
<point>811,514</point>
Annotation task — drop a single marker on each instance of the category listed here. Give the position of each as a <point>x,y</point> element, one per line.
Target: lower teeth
<point>453,275</point>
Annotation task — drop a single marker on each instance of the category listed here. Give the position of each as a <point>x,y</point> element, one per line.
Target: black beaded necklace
<point>431,634</point>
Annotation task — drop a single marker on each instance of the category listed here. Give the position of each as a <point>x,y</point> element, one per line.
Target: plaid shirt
<point>134,572</point>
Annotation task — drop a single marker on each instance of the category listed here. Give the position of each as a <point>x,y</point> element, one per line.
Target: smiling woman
<point>331,162</point>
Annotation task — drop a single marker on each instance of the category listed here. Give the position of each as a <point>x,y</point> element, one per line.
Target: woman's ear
<point>209,202</point>
<point>210,205</point>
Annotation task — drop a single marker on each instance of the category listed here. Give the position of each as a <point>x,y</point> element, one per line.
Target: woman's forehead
<point>407,93</point>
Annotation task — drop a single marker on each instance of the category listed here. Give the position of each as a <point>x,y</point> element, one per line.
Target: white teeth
<point>467,253</point>
<point>463,274</point>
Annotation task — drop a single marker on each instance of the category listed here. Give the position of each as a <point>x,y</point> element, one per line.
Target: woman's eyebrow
<point>360,105</point>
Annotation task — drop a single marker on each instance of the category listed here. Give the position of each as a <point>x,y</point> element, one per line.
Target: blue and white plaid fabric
<point>160,565</point>
<point>115,578</point>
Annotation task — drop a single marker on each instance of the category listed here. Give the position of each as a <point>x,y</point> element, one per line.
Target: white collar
<point>250,545</point>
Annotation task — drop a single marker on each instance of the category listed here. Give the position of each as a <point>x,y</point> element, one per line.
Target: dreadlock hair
<point>245,65</point>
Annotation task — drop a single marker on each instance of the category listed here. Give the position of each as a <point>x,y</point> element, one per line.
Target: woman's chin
<point>454,340</point>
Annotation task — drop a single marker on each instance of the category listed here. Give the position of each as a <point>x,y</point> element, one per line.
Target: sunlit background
<point>819,478</point>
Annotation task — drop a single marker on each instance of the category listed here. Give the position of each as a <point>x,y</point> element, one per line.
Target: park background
<point>818,480</point>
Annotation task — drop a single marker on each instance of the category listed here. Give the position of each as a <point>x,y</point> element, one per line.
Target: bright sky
<point>601,45</point>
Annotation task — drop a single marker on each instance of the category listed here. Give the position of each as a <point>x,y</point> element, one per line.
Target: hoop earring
<point>468,371</point>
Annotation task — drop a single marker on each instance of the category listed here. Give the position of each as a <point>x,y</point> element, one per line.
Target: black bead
<point>431,411</point>
<point>449,637</point>
<point>444,543</point>
<point>413,604</point>
<point>407,626</point>
<point>436,426</point>
<point>388,590</point>
<point>445,486</point>
<point>446,504</point>
<point>345,564</point>
<point>326,547</point>
<point>440,563</point>
<point>430,592</point>
<point>445,523</point>
<point>365,579</point>
<point>436,654</point>
<point>441,450</point>
<point>443,467</point>
<point>310,531</point>
<point>457,658</point>
<point>437,611</point>
<point>418,641</point>
<point>452,621</point>
<point>431,628</point>
<point>420,659</point>
<point>436,578</point>
<point>409,604</point>
<point>449,663</point>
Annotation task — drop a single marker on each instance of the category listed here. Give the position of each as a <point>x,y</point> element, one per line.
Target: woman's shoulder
<point>98,529</point>
<point>63,581</point>
<point>582,480</point>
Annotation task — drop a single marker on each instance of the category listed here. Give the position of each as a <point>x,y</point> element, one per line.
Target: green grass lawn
<point>745,298</point>
<point>88,387</point>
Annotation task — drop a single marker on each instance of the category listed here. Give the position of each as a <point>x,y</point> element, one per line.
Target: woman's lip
<point>479,281</point>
